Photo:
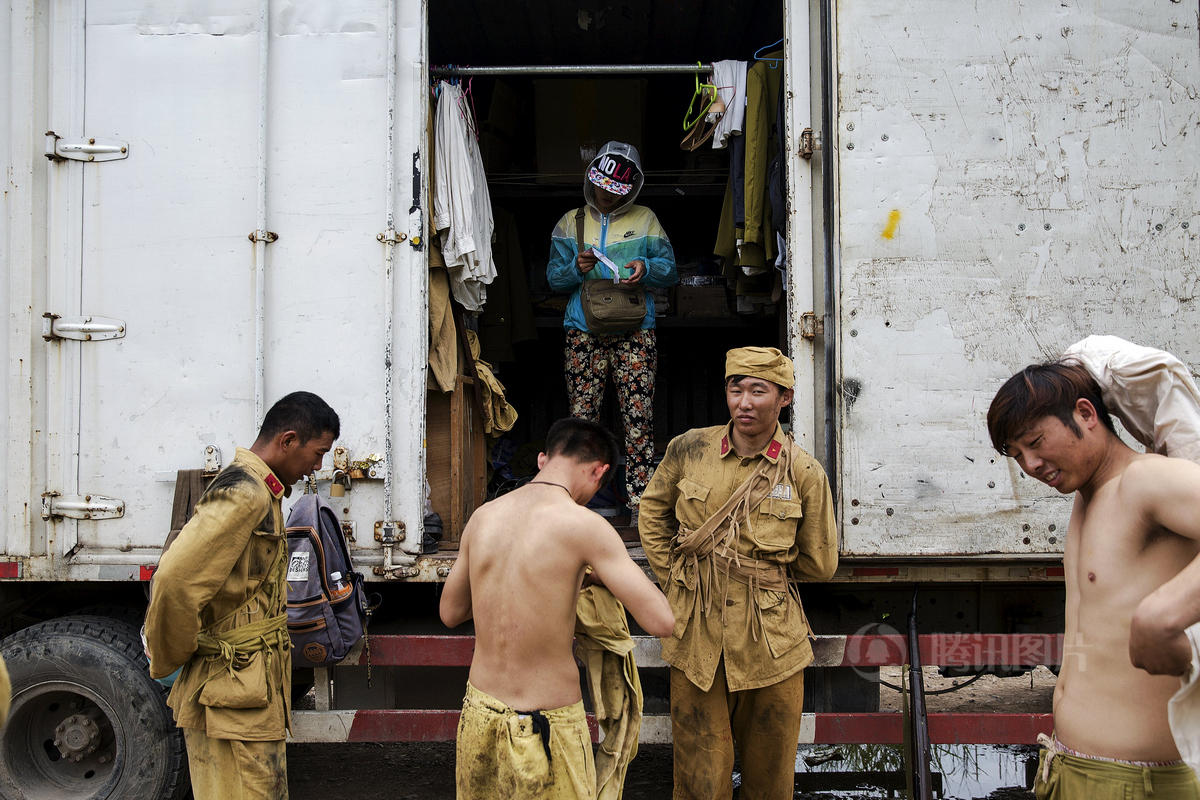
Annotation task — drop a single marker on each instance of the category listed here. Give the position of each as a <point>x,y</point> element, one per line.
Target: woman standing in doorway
<point>609,232</point>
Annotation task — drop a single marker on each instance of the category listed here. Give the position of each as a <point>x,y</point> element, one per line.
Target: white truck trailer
<point>210,204</point>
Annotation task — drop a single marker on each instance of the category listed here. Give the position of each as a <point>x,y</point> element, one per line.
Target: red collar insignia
<point>273,484</point>
<point>724,445</point>
<point>774,448</point>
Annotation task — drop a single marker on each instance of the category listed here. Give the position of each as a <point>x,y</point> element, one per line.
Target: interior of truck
<point>537,129</point>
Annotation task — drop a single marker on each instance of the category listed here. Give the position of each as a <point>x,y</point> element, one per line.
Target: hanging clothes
<point>443,339</point>
<point>498,416</point>
<point>462,208</point>
<point>605,648</point>
<point>752,245</point>
<point>730,79</point>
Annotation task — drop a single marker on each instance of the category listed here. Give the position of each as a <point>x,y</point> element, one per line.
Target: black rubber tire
<point>127,614</point>
<point>84,679</point>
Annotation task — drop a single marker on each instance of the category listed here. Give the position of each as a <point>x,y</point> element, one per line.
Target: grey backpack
<point>326,604</point>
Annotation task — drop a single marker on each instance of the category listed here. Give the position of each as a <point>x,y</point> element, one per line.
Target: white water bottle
<point>339,587</point>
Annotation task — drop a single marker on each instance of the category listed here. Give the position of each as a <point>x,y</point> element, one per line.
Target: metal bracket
<point>263,236</point>
<point>74,506</point>
<point>90,149</point>
<point>389,531</point>
<point>83,329</point>
<point>341,458</point>
<point>810,325</point>
<point>809,143</point>
<point>212,459</point>
<point>391,237</point>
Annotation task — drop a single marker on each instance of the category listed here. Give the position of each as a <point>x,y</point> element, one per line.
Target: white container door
<point>161,240</point>
<point>1013,177</point>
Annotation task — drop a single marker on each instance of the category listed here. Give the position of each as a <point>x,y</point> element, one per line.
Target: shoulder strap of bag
<point>579,228</point>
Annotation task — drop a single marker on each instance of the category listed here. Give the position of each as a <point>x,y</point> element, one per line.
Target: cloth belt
<point>1056,748</point>
<point>541,727</point>
<point>235,646</point>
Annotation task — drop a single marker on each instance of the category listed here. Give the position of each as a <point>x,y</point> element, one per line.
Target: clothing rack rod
<point>570,69</point>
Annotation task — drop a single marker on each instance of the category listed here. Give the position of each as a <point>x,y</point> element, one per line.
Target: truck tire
<point>87,722</point>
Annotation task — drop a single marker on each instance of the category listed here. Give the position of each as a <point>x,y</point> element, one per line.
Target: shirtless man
<point>520,566</point>
<point>1134,527</point>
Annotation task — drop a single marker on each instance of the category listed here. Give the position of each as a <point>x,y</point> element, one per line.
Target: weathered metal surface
<point>1013,177</point>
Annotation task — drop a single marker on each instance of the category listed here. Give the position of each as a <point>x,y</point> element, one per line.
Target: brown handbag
<point>609,307</point>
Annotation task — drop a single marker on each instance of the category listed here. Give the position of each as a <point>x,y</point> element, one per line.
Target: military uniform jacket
<point>793,527</point>
<point>212,570</point>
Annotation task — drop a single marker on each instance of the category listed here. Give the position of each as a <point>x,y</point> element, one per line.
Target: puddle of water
<point>968,772</point>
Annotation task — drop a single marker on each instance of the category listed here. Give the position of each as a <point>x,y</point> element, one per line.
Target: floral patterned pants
<point>631,359</point>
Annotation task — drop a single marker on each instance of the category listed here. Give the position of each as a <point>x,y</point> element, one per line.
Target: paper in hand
<point>608,262</point>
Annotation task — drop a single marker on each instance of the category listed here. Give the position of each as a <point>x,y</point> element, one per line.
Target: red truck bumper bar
<point>407,725</point>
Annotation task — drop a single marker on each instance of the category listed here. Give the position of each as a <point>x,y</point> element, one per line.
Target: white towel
<point>730,79</point>
<point>1183,710</point>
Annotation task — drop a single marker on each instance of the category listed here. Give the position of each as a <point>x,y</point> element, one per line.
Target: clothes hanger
<point>773,62</point>
<point>706,93</point>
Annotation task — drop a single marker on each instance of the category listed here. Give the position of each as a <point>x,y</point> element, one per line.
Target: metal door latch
<point>809,143</point>
<point>810,326</point>
<point>75,506</point>
<point>89,149</point>
<point>212,459</point>
<point>83,329</point>
<point>389,531</point>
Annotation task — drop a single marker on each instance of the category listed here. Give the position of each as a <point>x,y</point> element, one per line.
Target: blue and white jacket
<point>627,234</point>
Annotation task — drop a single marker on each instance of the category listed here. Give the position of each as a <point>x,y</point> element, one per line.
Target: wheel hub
<point>77,736</point>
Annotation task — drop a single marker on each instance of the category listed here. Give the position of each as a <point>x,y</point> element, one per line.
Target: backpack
<point>326,606</point>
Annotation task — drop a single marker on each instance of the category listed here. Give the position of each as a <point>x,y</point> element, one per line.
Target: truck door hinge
<point>810,325</point>
<point>809,143</point>
<point>83,329</point>
<point>391,236</point>
<point>87,149</point>
<point>75,506</point>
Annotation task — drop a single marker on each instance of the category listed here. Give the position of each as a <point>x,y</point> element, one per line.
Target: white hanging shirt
<point>730,79</point>
<point>1149,390</point>
<point>462,207</point>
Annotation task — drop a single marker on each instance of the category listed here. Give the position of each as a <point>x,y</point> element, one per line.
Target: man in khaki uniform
<point>218,609</point>
<point>734,514</point>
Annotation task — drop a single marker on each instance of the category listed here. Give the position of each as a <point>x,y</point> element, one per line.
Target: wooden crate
<point>455,457</point>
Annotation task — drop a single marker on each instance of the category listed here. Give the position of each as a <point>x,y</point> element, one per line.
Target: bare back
<point>525,564</point>
<point>1115,556</point>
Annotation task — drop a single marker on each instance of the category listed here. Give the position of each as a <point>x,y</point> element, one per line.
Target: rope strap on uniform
<point>710,550</point>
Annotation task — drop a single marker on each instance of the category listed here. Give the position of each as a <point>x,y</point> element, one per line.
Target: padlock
<point>341,482</point>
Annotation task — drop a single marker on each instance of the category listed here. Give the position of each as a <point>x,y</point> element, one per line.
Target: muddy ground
<point>425,771</point>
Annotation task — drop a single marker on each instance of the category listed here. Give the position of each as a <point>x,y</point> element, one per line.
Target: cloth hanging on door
<point>462,208</point>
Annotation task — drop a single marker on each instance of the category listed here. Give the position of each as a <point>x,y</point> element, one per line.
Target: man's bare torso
<point>1114,558</point>
<point>525,572</point>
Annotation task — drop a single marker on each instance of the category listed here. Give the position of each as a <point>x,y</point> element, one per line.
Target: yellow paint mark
<point>893,223</point>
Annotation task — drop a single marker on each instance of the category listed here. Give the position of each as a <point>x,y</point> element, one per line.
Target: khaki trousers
<point>761,726</point>
<point>1070,777</point>
<point>230,769</point>
<point>530,755</point>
